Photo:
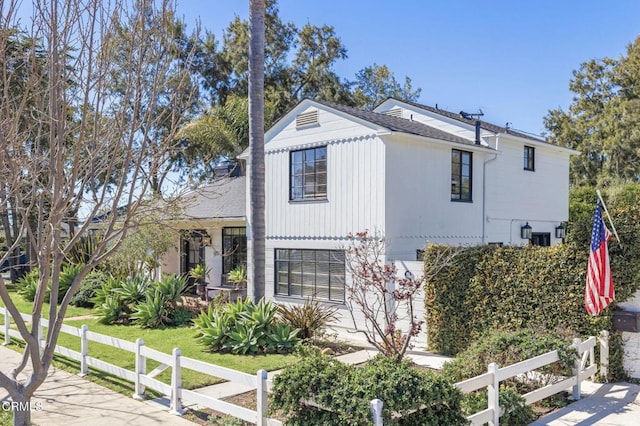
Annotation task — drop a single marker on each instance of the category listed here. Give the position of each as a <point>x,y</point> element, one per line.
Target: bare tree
<point>256,143</point>
<point>74,140</point>
<point>384,299</point>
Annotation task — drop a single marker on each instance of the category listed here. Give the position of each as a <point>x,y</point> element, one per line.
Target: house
<point>213,231</point>
<point>415,173</point>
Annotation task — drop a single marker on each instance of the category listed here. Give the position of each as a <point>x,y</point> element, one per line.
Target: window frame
<point>335,270</point>
<point>303,174</point>
<point>461,196</point>
<point>529,158</point>
<point>238,256</point>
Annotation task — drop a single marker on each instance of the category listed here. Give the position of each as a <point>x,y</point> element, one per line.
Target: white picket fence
<point>143,379</point>
<point>585,367</point>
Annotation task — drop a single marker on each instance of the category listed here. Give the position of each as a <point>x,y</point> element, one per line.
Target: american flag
<point>599,291</point>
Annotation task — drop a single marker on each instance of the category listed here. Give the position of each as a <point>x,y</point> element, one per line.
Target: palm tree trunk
<point>256,142</point>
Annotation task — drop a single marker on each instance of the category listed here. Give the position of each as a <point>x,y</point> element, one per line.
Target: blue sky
<point>512,59</point>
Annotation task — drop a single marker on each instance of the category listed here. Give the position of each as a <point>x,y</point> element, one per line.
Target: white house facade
<point>413,173</point>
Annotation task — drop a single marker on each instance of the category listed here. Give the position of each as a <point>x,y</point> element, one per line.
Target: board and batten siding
<point>516,196</point>
<point>419,209</point>
<point>355,182</point>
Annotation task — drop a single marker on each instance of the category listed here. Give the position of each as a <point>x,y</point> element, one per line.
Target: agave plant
<point>153,312</point>
<point>283,338</point>
<point>132,290</point>
<point>65,281</point>
<point>106,291</point>
<point>238,277</point>
<point>213,328</point>
<point>110,311</point>
<point>172,288</point>
<point>28,285</point>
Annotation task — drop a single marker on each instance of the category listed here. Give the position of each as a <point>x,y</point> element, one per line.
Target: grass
<point>163,340</point>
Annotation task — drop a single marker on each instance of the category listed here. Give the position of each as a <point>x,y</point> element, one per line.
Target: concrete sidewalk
<point>611,404</point>
<point>67,399</point>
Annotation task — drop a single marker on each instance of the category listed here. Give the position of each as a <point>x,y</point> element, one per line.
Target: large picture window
<point>308,174</point>
<point>461,175</point>
<point>315,274</point>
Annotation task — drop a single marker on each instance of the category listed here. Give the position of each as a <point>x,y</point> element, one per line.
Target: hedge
<point>511,288</point>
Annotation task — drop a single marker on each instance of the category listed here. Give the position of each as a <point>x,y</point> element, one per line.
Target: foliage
<point>377,83</point>
<point>238,276</point>
<point>199,273</point>
<point>28,285</point>
<point>88,288</point>
<point>146,303</point>
<point>516,411</point>
<point>81,252</point>
<point>143,246</point>
<point>244,327</point>
<point>512,288</point>
<point>411,396</point>
<point>510,347</point>
<point>602,121</point>
<point>311,318</point>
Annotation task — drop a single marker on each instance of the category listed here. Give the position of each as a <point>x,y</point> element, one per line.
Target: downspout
<point>484,191</point>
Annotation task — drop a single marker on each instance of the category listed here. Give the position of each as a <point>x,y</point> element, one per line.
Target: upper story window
<point>529,158</point>
<point>308,174</point>
<point>461,175</point>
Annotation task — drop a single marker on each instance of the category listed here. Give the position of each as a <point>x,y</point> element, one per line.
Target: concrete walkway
<point>67,399</point>
<point>612,404</point>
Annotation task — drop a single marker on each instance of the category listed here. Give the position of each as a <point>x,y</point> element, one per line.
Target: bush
<point>87,291</point>
<point>244,327</point>
<point>516,411</point>
<point>411,396</point>
<point>507,348</point>
<point>311,318</point>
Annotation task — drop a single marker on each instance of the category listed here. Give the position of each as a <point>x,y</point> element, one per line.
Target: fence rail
<point>585,367</point>
<point>143,379</point>
<point>494,375</point>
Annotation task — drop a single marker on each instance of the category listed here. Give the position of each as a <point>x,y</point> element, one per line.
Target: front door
<point>192,251</point>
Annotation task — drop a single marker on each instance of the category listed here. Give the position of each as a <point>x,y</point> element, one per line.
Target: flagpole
<point>613,228</point>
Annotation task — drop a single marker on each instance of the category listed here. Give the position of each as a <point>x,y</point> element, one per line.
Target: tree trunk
<point>21,409</point>
<point>256,142</point>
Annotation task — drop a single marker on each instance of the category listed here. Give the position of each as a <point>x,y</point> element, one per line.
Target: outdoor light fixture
<point>525,232</point>
<point>560,231</point>
<point>206,240</point>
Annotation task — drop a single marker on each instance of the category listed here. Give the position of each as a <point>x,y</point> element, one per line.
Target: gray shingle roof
<point>397,124</point>
<point>224,198</point>
<point>471,121</point>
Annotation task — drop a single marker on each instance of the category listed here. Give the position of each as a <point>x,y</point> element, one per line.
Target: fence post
<point>376,411</point>
<point>141,369</point>
<point>576,388</point>
<point>604,355</point>
<point>7,327</point>
<point>493,394</point>
<point>84,350</point>
<point>176,384</point>
<point>261,397</point>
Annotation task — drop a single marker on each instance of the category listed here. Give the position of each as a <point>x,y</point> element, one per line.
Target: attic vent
<point>308,118</point>
<point>394,112</point>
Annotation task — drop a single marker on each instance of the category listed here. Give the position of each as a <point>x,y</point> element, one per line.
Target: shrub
<point>515,409</point>
<point>67,275</point>
<point>411,396</point>
<point>507,348</point>
<point>244,327</point>
<point>87,291</point>
<point>110,311</point>
<point>311,318</point>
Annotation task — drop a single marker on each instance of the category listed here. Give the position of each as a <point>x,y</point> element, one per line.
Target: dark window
<point>529,158</point>
<point>308,174</point>
<point>316,274</point>
<point>234,248</point>
<point>461,174</point>
<point>541,239</point>
<point>192,250</point>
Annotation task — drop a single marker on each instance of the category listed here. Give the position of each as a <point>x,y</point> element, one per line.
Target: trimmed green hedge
<point>515,287</point>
